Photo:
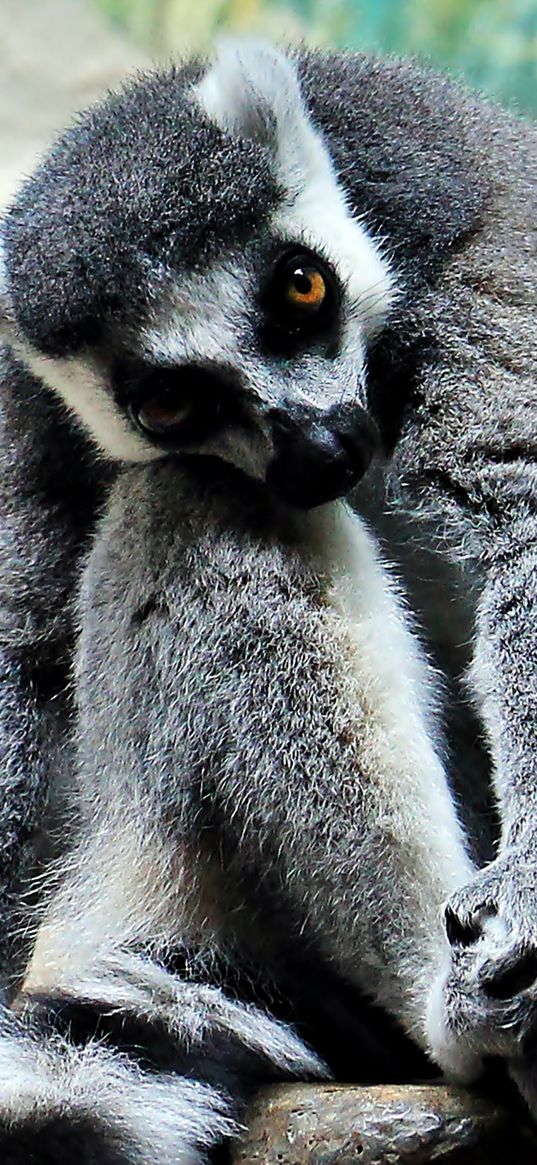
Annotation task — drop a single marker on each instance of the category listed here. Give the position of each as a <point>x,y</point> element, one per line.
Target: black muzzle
<point>322,457</point>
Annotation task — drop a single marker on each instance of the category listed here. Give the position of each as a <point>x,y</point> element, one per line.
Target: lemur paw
<point>486,1003</point>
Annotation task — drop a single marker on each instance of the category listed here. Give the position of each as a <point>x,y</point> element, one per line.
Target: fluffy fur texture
<point>62,1101</point>
<point>233,602</point>
<point>247,747</point>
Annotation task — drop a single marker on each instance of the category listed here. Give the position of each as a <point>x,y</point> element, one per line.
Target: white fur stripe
<point>83,388</point>
<point>252,88</point>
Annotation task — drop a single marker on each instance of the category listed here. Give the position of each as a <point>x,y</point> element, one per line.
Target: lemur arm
<point>490,991</point>
<point>504,672</point>
<point>465,467</point>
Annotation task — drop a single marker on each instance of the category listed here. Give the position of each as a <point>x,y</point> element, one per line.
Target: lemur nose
<point>319,461</point>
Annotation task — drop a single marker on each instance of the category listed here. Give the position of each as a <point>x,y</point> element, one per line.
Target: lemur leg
<point>265,689</point>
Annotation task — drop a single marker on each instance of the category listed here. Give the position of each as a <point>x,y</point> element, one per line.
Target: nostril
<point>355,429</point>
<point>359,449</point>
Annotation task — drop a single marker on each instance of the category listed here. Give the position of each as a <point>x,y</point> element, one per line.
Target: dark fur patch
<point>141,179</point>
<point>408,146</point>
<point>79,1020</point>
<point>63,1137</point>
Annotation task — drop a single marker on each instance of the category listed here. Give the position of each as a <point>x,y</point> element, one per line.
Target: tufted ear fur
<point>252,90</point>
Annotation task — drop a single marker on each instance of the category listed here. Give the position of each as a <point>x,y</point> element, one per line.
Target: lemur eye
<point>178,407</point>
<point>302,293</point>
<point>306,288</point>
<point>163,413</point>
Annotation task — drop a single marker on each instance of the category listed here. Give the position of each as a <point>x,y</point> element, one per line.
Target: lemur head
<point>183,270</point>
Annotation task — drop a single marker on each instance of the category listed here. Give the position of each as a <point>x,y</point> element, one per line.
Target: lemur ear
<point>252,89</point>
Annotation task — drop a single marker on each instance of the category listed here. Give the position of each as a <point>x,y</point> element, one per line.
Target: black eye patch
<point>180,406</point>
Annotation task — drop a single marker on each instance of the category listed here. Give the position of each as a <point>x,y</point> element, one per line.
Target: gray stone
<point>382,1125</point>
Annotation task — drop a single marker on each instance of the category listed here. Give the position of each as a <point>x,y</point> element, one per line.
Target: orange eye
<point>306,288</point>
<point>301,296</point>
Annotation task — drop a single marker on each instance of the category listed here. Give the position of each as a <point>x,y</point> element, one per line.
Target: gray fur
<point>238,811</point>
<point>113,251</point>
<point>58,1102</point>
<point>465,468</point>
<point>218,591</point>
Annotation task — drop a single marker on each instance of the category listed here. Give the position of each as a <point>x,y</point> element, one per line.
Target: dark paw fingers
<point>460,933</point>
<point>464,928</point>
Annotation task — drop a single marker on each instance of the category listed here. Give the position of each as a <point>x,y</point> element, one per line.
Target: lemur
<point>235,294</point>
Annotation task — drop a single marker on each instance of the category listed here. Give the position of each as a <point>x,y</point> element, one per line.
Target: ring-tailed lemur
<point>244,271</point>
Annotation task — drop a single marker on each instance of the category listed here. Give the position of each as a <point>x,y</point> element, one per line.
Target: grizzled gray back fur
<point>305,794</point>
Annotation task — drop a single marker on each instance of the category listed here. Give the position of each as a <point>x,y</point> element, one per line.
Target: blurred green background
<point>492,42</point>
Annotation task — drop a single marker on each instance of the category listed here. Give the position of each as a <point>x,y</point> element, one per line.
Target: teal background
<point>492,42</point>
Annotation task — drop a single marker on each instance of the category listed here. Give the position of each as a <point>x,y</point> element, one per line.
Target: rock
<point>382,1125</point>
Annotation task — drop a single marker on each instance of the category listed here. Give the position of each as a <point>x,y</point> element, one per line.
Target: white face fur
<point>251,89</point>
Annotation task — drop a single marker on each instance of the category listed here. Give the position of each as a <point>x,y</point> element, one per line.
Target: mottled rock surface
<point>382,1125</point>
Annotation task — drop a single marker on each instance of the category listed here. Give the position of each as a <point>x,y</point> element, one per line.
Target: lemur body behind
<point>267,261</point>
